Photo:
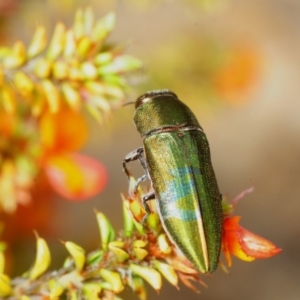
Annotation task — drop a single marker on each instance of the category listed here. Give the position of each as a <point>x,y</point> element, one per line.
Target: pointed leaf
<point>107,232</point>
<point>77,253</point>
<point>42,259</point>
<point>149,274</point>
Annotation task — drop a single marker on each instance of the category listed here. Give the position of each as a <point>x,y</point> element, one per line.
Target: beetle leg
<point>143,161</point>
<point>139,180</point>
<point>146,198</point>
<point>134,155</point>
<point>138,154</point>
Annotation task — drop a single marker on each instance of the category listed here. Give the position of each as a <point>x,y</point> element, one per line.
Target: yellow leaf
<point>38,42</point>
<point>5,287</point>
<point>167,271</point>
<point>107,232</point>
<point>114,279</point>
<point>72,96</point>
<point>57,43</point>
<point>52,95</point>
<point>77,253</point>
<point>23,83</point>
<point>60,70</point>
<point>149,274</point>
<point>42,259</point>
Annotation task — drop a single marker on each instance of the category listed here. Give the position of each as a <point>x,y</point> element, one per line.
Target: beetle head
<point>151,95</point>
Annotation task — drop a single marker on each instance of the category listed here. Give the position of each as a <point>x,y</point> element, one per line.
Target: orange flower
<point>238,74</point>
<point>65,131</point>
<point>244,244</point>
<point>6,125</point>
<point>73,176</point>
<point>239,241</point>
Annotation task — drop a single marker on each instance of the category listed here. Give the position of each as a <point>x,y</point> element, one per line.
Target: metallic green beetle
<point>176,158</point>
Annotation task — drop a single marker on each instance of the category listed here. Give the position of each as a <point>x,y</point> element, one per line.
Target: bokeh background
<point>236,63</point>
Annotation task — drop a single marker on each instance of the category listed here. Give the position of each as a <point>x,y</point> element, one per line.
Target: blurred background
<point>237,65</point>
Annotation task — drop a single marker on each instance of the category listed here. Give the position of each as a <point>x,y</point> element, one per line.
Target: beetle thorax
<point>161,112</point>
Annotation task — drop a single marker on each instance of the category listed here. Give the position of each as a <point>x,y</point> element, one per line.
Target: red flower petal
<point>243,243</point>
<point>75,176</point>
<point>232,241</point>
<point>256,246</point>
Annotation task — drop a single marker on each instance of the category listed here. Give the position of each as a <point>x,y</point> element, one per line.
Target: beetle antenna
<point>128,103</point>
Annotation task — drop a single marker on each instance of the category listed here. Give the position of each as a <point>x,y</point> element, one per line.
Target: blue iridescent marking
<point>184,171</point>
<point>173,194</point>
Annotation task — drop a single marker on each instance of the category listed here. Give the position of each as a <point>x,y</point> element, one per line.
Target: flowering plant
<point>140,252</point>
<point>43,90</point>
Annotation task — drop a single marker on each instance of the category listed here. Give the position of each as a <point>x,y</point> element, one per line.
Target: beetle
<point>176,158</point>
